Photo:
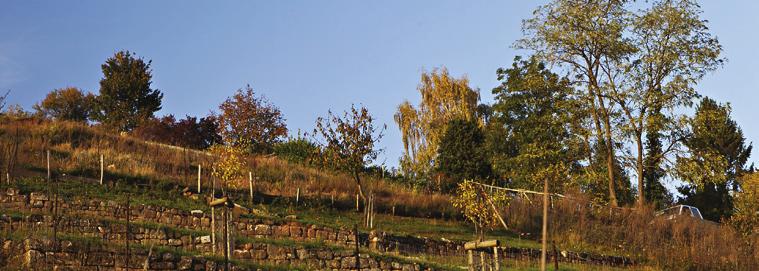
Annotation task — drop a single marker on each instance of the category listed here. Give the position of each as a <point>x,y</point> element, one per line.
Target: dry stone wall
<point>45,254</point>
<point>11,199</point>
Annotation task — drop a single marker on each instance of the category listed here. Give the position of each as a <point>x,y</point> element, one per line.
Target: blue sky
<point>309,56</point>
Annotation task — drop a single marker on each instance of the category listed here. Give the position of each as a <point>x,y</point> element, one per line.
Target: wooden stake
<point>482,260</point>
<point>213,229</point>
<point>127,233</point>
<point>199,178</point>
<point>48,165</point>
<point>555,256</point>
<point>226,240</point>
<point>297,196</point>
<point>496,259</point>
<point>545,226</point>
<point>371,216</point>
<point>101,169</point>
<point>250,184</point>
<point>470,260</point>
<point>358,259</point>
<point>357,203</point>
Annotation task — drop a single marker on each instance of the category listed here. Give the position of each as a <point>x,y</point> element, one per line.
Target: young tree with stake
<point>348,142</point>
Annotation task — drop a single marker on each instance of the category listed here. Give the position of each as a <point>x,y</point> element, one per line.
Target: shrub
<point>296,150</point>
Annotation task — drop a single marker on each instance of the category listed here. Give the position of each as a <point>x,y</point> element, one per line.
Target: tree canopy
<point>245,116</point>
<point>66,104</point>
<point>716,158</point>
<point>348,141</point>
<point>126,98</point>
<point>462,154</point>
<point>444,98</point>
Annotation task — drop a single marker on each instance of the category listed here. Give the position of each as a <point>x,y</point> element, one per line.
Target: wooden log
<point>474,245</point>
<point>218,202</point>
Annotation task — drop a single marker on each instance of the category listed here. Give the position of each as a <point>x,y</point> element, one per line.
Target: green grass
<point>159,195</point>
<point>406,226</point>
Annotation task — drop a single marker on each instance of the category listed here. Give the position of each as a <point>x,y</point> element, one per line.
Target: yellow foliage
<point>231,160</point>
<point>471,200</point>
<point>746,216</point>
<point>444,98</point>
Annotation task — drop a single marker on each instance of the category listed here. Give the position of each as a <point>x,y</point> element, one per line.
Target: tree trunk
<point>607,142</point>
<point>360,188</point>
<point>609,155</point>
<point>639,164</point>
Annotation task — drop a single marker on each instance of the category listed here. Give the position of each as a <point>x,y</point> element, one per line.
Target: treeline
<point>597,108</point>
<point>245,123</point>
<point>605,119</point>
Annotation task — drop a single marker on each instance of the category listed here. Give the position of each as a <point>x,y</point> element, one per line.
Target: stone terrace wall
<point>39,254</point>
<point>250,227</point>
<point>270,229</point>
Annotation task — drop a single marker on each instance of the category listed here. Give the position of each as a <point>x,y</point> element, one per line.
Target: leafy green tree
<point>716,159</point>
<point>629,60</point>
<point>66,104</point>
<point>528,134</point>
<point>348,142</point>
<point>461,154</point>
<point>673,51</point>
<point>246,116</point>
<point>655,192</point>
<point>594,178</point>
<point>126,98</point>
<point>580,35</point>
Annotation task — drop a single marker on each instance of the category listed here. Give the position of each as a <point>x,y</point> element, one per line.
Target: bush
<point>296,150</point>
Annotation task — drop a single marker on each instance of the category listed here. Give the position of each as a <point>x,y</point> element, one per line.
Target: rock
<point>196,213</point>
<point>205,239</point>
<point>291,217</point>
<point>185,263</point>
<point>262,229</point>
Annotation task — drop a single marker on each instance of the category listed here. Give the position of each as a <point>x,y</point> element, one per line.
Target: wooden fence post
<point>543,253</point>
<point>297,196</point>
<point>358,258</point>
<point>470,260</point>
<point>101,169</point>
<point>127,234</point>
<point>199,178</point>
<point>496,259</point>
<point>250,184</point>
<point>48,165</point>
<point>226,239</point>
<point>482,261</point>
<point>213,229</point>
<point>555,256</point>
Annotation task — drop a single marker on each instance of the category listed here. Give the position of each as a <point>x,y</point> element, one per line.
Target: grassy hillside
<point>151,174</point>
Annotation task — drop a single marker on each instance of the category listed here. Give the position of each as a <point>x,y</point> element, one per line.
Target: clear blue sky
<point>309,56</point>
